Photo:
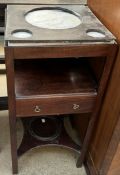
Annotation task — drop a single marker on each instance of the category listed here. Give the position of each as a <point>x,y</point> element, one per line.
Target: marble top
<point>84,31</point>
<point>43,1</point>
<point>53,19</point>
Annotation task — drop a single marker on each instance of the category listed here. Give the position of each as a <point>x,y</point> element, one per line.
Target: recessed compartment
<point>54,86</point>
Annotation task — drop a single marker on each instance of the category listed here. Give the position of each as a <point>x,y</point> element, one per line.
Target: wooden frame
<point>109,140</point>
<point>98,12</point>
<point>102,150</point>
<point>13,53</point>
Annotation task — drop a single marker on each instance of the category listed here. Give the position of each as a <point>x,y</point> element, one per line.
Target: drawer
<point>54,106</point>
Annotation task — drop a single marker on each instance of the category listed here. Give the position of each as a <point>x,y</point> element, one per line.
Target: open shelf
<point>53,77</point>
<point>54,82</point>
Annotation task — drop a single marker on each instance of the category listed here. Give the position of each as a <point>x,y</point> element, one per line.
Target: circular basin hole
<point>95,33</point>
<point>53,18</point>
<point>22,33</point>
<point>45,128</point>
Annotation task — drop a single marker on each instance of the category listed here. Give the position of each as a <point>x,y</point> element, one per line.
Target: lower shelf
<point>59,136</point>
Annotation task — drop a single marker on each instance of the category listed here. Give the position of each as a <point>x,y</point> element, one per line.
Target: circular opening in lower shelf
<point>53,18</point>
<point>21,33</point>
<point>45,128</point>
<point>95,33</point>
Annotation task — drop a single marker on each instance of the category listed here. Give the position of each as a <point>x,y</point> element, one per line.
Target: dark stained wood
<point>11,104</point>
<point>37,84</point>
<point>80,123</point>
<point>106,127</point>
<point>97,67</point>
<point>101,91</point>
<point>40,78</point>
<point>110,53</point>
<point>105,12</point>
<point>108,11</point>
<point>29,141</point>
<point>56,49</point>
<point>54,105</point>
<point>82,50</point>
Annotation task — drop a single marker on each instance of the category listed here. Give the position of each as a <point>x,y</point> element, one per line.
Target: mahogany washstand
<point>49,72</point>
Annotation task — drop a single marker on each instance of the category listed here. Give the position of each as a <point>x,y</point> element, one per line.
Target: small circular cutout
<point>45,128</point>
<point>95,33</point>
<point>53,18</point>
<point>21,33</point>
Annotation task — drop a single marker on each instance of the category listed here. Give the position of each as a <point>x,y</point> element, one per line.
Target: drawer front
<point>54,106</point>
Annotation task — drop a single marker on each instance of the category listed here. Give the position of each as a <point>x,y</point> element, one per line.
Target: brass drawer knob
<point>76,106</point>
<point>37,109</point>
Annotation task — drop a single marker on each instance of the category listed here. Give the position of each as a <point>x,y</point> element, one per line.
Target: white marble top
<point>43,1</point>
<point>55,23</point>
<point>53,19</point>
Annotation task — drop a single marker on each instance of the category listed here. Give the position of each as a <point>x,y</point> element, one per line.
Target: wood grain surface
<point>54,85</point>
<point>102,120</point>
<point>108,11</point>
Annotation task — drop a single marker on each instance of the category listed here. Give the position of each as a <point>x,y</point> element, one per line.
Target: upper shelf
<point>61,77</point>
<point>84,28</point>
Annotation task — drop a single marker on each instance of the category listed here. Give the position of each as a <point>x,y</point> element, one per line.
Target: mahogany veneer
<point>43,78</point>
<point>55,85</point>
<point>29,141</point>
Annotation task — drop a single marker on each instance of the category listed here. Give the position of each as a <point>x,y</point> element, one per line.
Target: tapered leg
<point>11,105</point>
<point>86,143</point>
<point>13,138</point>
<point>97,108</point>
